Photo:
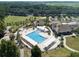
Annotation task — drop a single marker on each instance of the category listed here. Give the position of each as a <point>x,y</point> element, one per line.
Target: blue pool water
<point>36,37</point>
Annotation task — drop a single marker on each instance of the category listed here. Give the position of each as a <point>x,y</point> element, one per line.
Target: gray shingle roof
<point>64,27</point>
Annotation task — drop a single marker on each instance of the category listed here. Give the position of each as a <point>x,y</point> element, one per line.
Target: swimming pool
<point>36,37</point>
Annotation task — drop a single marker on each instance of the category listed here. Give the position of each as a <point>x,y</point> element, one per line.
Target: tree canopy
<point>3,10</point>
<point>35,52</point>
<point>8,49</point>
<point>39,9</point>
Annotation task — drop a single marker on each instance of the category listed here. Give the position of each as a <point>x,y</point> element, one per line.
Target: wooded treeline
<point>38,9</point>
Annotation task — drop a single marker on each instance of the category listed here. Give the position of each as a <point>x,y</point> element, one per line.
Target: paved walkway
<point>64,41</point>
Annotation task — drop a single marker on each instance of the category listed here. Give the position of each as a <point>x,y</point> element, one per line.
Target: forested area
<point>3,13</point>
<point>8,49</point>
<point>39,9</point>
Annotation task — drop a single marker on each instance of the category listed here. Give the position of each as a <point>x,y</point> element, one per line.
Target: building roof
<point>42,28</point>
<point>64,27</point>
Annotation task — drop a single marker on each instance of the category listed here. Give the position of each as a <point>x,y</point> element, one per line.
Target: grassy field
<point>17,21</point>
<point>10,19</point>
<point>75,4</point>
<point>73,42</point>
<point>60,52</point>
<point>14,19</point>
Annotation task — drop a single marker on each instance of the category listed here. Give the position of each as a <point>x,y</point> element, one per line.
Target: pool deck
<point>48,41</point>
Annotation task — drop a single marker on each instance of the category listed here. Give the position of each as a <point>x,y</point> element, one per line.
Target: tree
<point>18,36</point>
<point>61,44</point>
<point>2,27</point>
<point>74,54</point>
<point>62,38</point>
<point>35,52</point>
<point>47,21</point>
<point>8,49</point>
<point>2,15</point>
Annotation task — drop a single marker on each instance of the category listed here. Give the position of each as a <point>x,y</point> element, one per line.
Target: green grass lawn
<point>11,19</point>
<point>73,42</point>
<point>60,52</point>
<point>18,21</point>
<point>14,19</point>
